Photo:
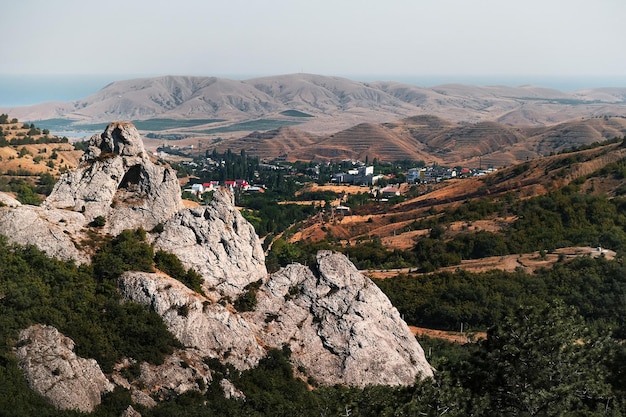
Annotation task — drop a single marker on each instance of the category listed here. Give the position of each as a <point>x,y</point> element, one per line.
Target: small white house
<point>197,188</point>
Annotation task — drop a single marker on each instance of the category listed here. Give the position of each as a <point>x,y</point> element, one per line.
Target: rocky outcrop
<point>118,181</point>
<point>130,412</point>
<point>59,233</point>
<point>8,201</point>
<point>55,372</point>
<point>180,372</point>
<point>215,330</point>
<point>339,325</point>
<point>340,328</point>
<point>217,242</point>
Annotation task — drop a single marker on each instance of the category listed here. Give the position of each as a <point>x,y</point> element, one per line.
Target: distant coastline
<point>26,90</point>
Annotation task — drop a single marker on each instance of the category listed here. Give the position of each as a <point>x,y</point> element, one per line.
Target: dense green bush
<point>127,251</point>
<point>171,265</point>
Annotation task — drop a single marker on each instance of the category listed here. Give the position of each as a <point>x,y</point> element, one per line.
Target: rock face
<point>218,243</point>
<point>339,325</point>
<point>8,201</point>
<point>54,371</point>
<point>56,232</point>
<point>181,372</point>
<point>196,321</point>
<point>117,180</point>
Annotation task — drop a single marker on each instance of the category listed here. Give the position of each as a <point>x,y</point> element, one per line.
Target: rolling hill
<point>333,103</point>
<point>431,139</point>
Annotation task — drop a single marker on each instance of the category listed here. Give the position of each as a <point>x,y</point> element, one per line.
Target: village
<point>383,182</point>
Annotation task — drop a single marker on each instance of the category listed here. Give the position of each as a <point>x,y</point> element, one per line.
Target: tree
<point>543,361</point>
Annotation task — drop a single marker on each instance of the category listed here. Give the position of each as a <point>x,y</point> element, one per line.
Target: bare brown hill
<point>433,140</point>
<point>273,143</point>
<point>363,141</point>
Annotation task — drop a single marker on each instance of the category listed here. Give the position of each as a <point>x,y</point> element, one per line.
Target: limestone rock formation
<point>339,325</point>
<point>8,201</point>
<point>217,242</point>
<point>130,412</point>
<point>56,232</point>
<point>118,181</point>
<point>196,321</point>
<point>180,372</point>
<point>54,371</point>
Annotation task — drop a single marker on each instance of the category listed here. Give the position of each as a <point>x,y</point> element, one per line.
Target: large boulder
<point>54,371</point>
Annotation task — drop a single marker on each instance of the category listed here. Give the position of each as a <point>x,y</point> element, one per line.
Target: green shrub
<point>99,221</point>
<point>172,266</point>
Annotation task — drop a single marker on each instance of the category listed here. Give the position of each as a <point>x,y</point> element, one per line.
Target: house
<point>210,186</point>
<point>358,176</point>
<point>415,175</point>
<point>253,189</point>
<point>342,178</point>
<point>389,192</point>
<point>197,189</point>
<point>239,184</point>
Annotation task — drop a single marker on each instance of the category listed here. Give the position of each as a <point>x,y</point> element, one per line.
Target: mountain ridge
<point>335,102</point>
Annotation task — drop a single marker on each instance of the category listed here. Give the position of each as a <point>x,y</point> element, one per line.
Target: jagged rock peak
<point>120,138</point>
<point>217,242</point>
<point>118,181</point>
<point>339,325</point>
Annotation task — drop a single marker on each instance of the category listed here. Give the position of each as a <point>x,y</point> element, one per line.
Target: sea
<point>25,90</point>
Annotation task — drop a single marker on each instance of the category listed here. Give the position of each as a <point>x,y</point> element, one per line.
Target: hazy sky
<point>571,38</point>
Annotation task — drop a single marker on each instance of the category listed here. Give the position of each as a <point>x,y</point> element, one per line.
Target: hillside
<point>431,139</point>
<point>177,314</point>
<point>395,224</point>
<point>27,149</point>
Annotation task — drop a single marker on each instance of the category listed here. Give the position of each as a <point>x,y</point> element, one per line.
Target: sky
<point>363,39</point>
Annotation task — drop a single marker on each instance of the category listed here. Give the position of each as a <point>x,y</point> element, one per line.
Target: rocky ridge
<point>340,327</point>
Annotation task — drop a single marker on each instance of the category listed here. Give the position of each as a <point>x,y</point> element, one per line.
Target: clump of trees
<point>172,266</point>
